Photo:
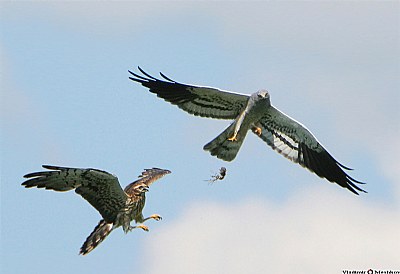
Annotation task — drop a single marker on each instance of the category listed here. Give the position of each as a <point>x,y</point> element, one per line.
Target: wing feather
<point>199,101</point>
<point>147,177</point>
<point>294,141</point>
<point>100,188</point>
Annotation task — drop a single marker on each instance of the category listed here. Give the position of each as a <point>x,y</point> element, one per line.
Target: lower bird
<point>102,190</point>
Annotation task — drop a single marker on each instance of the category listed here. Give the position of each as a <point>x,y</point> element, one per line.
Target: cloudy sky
<point>66,100</point>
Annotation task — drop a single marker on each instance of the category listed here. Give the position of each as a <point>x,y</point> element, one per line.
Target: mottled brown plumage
<point>102,190</point>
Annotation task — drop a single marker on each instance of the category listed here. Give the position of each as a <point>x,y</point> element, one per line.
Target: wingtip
<point>167,78</point>
<point>142,71</point>
<point>51,167</point>
<point>167,171</point>
<point>81,252</point>
<point>137,78</point>
<point>358,193</point>
<point>343,166</point>
<point>354,188</point>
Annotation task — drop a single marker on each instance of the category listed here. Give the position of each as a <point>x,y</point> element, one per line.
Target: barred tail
<point>222,147</point>
<point>99,233</point>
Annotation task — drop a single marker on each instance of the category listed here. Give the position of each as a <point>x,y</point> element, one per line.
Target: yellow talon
<point>144,227</point>
<point>257,130</point>
<point>156,217</point>
<point>233,138</point>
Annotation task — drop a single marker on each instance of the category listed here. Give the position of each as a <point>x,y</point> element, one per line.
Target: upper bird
<point>102,190</point>
<point>255,112</point>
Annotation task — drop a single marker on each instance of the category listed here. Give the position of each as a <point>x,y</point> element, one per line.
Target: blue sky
<point>66,100</point>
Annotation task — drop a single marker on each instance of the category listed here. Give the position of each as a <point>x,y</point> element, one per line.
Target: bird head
<point>262,94</point>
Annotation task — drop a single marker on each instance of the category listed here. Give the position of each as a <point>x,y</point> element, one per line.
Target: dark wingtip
<point>359,189</point>
<point>355,192</point>
<point>343,166</point>
<point>352,187</point>
<point>141,79</point>
<point>167,78</point>
<point>146,74</point>
<point>325,166</point>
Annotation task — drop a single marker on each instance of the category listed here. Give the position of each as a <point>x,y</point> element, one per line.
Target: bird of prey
<point>250,112</point>
<point>102,190</point>
<point>219,176</point>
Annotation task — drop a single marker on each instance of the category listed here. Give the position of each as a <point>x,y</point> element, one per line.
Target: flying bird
<point>250,112</point>
<point>102,190</point>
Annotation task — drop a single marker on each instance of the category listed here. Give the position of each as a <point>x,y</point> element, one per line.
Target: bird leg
<point>237,124</point>
<point>233,138</point>
<point>142,226</point>
<point>154,216</point>
<point>130,228</point>
<point>257,130</point>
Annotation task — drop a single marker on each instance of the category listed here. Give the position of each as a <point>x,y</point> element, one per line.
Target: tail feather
<point>100,232</point>
<point>222,147</point>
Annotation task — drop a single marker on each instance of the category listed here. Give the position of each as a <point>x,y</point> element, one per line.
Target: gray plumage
<point>102,190</point>
<point>255,112</point>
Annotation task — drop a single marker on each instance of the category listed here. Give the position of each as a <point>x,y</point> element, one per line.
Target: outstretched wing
<point>291,139</point>
<point>147,177</point>
<point>200,101</point>
<point>101,189</point>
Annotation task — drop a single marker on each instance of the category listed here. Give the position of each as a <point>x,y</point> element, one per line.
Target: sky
<point>66,100</point>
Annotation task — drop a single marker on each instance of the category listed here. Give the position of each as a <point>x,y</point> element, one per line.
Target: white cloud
<point>315,232</point>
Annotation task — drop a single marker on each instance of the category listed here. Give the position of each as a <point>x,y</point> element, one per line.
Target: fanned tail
<point>100,232</point>
<point>223,148</point>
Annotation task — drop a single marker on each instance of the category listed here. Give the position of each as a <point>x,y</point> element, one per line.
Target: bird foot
<point>257,130</point>
<point>233,138</point>
<point>156,217</point>
<point>142,226</point>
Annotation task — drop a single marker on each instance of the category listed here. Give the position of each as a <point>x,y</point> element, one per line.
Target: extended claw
<point>257,130</point>
<point>233,138</point>
<point>142,226</point>
<point>156,217</point>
